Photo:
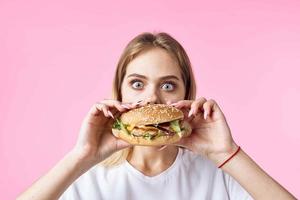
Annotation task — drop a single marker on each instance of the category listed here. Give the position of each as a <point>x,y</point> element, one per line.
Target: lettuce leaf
<point>120,126</point>
<point>148,136</point>
<point>175,126</point>
<point>117,125</point>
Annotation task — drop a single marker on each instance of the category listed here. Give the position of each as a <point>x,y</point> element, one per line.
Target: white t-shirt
<point>189,177</point>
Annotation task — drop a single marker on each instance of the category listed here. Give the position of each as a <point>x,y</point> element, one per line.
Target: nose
<point>154,98</point>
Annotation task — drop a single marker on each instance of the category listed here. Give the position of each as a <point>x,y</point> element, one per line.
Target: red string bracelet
<point>230,157</point>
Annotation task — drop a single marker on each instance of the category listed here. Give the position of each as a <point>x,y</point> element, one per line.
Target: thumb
<point>182,143</point>
<point>121,144</point>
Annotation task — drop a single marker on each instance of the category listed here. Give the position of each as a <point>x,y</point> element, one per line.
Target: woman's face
<point>153,76</point>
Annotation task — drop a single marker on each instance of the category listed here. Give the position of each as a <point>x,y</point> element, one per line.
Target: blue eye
<point>136,84</point>
<point>168,86</point>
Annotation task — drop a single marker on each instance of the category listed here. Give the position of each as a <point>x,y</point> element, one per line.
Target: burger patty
<point>166,131</point>
<point>162,129</point>
<point>141,132</point>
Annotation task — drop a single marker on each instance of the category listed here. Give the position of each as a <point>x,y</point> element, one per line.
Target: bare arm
<point>254,180</point>
<point>211,137</point>
<point>57,180</point>
<point>94,144</point>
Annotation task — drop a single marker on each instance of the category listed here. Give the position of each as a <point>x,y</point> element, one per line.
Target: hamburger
<point>151,125</point>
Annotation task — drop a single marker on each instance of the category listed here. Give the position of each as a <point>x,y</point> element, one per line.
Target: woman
<point>154,68</point>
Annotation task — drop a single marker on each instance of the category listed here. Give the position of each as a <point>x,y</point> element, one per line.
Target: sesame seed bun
<point>141,120</point>
<point>152,114</point>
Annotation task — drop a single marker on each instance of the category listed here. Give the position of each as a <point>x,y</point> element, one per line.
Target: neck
<point>150,160</point>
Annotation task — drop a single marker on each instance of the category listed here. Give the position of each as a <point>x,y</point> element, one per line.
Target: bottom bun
<point>161,140</point>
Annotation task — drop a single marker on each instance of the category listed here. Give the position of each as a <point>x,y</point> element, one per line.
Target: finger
<point>141,103</point>
<point>185,113</point>
<point>110,114</point>
<point>210,107</point>
<point>196,106</point>
<point>126,105</point>
<point>104,109</point>
<point>182,104</point>
<point>121,144</point>
<point>183,142</point>
<point>94,111</point>
<point>116,115</point>
<point>190,119</point>
<point>115,104</point>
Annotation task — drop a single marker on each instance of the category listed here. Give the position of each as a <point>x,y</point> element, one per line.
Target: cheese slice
<point>130,127</point>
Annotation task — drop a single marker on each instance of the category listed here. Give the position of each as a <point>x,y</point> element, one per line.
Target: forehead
<point>154,63</point>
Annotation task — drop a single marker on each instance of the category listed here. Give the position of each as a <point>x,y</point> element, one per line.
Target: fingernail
<point>173,104</point>
<point>137,103</point>
<point>190,113</point>
<point>125,106</point>
<point>110,114</point>
<point>130,105</point>
<point>205,114</point>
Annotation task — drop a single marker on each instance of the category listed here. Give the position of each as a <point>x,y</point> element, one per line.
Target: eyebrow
<point>162,78</point>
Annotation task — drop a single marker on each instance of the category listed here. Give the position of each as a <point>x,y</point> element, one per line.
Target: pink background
<point>58,57</point>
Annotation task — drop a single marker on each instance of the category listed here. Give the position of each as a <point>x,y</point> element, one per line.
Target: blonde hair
<point>136,46</point>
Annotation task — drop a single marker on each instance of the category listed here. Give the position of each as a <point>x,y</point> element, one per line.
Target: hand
<point>96,141</point>
<point>211,135</point>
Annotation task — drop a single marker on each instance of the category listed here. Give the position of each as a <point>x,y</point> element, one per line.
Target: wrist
<point>82,162</point>
<point>221,156</point>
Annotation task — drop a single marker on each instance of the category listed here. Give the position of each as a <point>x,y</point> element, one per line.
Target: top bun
<point>151,114</point>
